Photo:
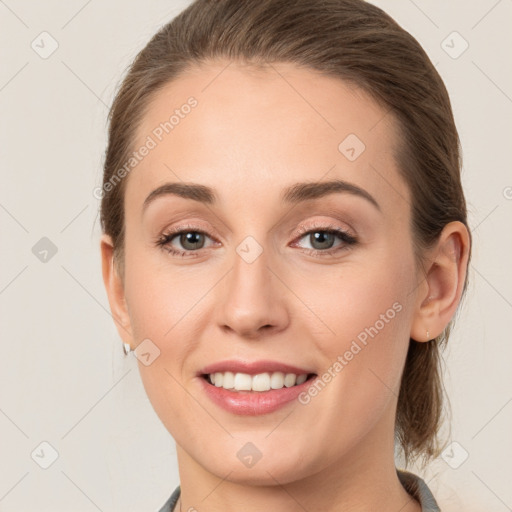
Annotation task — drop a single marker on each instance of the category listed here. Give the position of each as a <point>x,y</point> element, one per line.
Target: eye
<point>322,240</point>
<point>188,238</point>
<point>187,241</point>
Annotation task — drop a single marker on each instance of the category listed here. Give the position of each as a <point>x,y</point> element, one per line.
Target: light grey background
<point>63,377</point>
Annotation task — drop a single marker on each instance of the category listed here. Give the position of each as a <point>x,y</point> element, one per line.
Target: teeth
<point>289,380</point>
<point>259,382</point>
<point>277,380</point>
<point>301,378</point>
<point>228,381</point>
<point>243,382</point>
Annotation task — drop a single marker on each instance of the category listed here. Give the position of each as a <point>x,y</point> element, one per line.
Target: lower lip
<point>253,403</point>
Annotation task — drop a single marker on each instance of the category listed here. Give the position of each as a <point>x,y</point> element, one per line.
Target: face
<point>294,256</point>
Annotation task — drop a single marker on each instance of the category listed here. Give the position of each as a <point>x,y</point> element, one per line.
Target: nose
<point>253,299</point>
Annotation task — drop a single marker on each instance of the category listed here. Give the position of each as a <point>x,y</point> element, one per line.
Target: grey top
<point>412,483</point>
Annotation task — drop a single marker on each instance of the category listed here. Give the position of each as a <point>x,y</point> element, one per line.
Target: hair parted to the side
<point>356,42</point>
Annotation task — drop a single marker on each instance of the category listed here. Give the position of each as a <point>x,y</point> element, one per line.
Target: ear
<point>441,288</point>
<point>115,290</point>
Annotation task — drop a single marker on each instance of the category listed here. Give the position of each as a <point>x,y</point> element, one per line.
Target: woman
<point>285,246</point>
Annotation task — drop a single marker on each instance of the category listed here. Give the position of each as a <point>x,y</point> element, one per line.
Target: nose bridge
<point>252,298</point>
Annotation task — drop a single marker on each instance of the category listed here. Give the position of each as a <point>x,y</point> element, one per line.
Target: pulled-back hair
<point>360,44</point>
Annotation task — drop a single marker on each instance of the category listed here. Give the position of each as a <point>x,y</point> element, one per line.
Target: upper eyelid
<point>322,226</point>
<point>302,229</point>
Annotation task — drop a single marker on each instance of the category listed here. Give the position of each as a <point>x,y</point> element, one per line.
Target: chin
<point>270,474</point>
<point>243,463</point>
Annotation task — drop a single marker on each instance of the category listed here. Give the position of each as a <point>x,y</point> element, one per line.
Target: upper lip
<point>252,367</point>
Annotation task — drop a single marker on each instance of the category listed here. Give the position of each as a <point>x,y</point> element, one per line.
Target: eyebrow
<point>294,194</point>
<point>305,191</point>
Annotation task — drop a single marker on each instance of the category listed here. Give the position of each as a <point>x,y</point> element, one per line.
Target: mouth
<point>255,388</point>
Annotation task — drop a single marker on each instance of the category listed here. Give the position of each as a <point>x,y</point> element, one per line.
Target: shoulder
<point>171,502</point>
<point>417,488</point>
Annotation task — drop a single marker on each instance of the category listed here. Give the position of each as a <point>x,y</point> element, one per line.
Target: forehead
<point>246,130</point>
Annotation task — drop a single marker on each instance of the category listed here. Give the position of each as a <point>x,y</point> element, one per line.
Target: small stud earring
<point>127,348</point>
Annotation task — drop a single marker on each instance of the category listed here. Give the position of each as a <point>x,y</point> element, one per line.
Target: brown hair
<point>358,43</point>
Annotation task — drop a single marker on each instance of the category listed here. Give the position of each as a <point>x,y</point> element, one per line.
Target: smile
<point>255,388</point>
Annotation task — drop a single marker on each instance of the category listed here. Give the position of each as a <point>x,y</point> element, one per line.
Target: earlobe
<point>443,285</point>
<point>114,287</point>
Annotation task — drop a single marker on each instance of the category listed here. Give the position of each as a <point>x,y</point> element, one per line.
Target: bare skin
<point>250,137</point>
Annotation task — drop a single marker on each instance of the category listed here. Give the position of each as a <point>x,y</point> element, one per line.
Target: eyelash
<point>348,240</point>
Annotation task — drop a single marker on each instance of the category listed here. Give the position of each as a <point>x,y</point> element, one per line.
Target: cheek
<point>367,316</point>
<point>358,302</point>
<point>168,308</point>
<point>160,302</point>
